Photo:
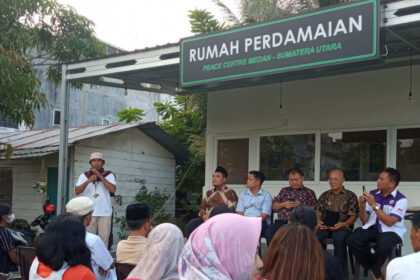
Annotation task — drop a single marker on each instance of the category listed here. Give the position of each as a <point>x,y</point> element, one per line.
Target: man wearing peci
<point>219,195</point>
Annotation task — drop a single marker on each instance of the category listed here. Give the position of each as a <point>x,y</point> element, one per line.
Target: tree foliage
<point>252,11</point>
<point>38,33</point>
<point>131,115</point>
<point>185,119</point>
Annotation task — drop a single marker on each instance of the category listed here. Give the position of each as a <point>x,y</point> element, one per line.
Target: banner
<point>339,34</point>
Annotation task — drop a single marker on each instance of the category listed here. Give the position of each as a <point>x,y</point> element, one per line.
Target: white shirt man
<point>98,184</point>
<point>407,267</point>
<point>101,260</point>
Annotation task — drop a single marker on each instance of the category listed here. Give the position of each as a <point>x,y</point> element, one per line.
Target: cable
<point>176,188</point>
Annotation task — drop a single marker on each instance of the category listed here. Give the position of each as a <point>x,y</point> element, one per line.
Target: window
<point>361,154</point>
<point>105,121</point>
<point>7,122</point>
<point>278,154</point>
<point>56,117</point>
<point>6,185</point>
<point>408,153</point>
<point>233,154</point>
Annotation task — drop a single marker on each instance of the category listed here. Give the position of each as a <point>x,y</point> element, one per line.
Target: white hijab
<point>160,258</point>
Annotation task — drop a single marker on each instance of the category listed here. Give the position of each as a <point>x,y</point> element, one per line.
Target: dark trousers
<point>339,237</point>
<point>272,229</point>
<point>192,225</point>
<point>358,242</point>
<point>264,227</point>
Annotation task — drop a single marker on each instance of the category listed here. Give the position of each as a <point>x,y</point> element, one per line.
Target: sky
<point>136,24</point>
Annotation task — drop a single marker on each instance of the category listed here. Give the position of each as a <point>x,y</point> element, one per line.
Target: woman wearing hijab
<point>222,248</point>
<point>160,257</point>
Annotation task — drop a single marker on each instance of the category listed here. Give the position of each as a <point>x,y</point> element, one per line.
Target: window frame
<point>317,151</point>
<point>233,137</point>
<point>254,150</point>
<point>387,148</point>
<point>105,119</point>
<point>393,151</point>
<point>53,117</point>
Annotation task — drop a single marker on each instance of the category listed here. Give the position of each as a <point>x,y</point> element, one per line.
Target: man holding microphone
<point>98,185</point>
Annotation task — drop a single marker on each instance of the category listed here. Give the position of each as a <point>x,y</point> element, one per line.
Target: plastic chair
<point>349,256</point>
<point>123,269</point>
<point>26,256</point>
<point>396,252</point>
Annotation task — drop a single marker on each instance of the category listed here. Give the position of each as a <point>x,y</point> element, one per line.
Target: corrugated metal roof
<point>36,143</point>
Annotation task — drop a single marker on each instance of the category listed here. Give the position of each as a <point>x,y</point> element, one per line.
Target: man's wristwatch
<point>377,207</point>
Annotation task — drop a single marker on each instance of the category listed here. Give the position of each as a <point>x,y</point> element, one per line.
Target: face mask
<point>11,218</point>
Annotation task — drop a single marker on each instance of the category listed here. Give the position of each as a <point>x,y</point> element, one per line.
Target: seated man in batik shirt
<point>219,195</point>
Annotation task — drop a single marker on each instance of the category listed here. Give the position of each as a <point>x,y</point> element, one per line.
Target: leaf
<point>131,115</point>
<point>38,33</point>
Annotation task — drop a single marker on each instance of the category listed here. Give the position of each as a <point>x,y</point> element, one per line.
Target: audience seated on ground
<point>407,267</point>
<point>160,257</point>
<point>294,254</point>
<point>101,260</point>
<point>62,252</point>
<point>305,215</point>
<point>224,247</point>
<point>219,195</point>
<point>290,197</point>
<point>256,202</point>
<point>139,225</point>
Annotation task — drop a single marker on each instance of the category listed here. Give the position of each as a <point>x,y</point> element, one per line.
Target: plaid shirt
<point>346,203</point>
<point>305,195</point>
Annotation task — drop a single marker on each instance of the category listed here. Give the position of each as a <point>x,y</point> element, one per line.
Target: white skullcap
<point>81,205</point>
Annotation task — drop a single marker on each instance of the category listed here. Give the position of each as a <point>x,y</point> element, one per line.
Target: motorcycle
<point>30,236</point>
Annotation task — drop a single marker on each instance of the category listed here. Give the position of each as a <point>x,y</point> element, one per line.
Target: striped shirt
<point>6,244</point>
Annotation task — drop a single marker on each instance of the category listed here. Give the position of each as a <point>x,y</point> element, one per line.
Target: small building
<point>134,152</point>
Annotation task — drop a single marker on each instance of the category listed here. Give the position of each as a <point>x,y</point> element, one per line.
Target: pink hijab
<point>222,248</point>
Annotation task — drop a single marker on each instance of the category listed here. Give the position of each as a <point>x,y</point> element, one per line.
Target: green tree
<point>252,11</point>
<point>185,119</point>
<point>38,33</point>
<point>131,115</point>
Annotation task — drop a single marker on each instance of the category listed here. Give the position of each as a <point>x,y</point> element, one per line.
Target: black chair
<point>349,257</point>
<point>396,252</point>
<point>123,270</point>
<point>26,256</point>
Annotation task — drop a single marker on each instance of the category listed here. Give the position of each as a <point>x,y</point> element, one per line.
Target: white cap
<point>97,155</point>
<point>81,205</point>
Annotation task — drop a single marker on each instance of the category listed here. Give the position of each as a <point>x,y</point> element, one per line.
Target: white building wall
<point>132,156</point>
<point>360,101</point>
<point>27,202</point>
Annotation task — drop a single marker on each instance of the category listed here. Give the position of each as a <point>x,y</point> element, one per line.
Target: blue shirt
<point>255,205</point>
